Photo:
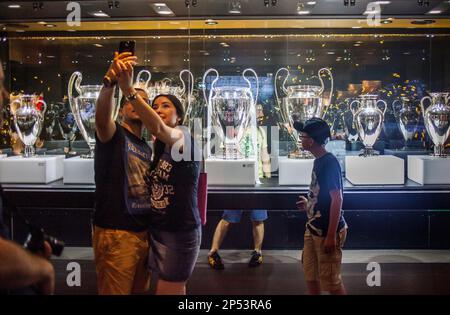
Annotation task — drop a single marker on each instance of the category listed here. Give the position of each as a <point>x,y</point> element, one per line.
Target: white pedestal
<point>375,170</point>
<point>37,170</point>
<point>425,169</point>
<point>231,172</point>
<point>78,170</point>
<point>295,171</point>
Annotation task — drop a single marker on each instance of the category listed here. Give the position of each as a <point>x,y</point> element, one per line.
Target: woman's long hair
<point>159,145</point>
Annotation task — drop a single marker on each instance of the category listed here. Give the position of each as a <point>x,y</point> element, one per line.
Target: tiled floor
<point>401,272</point>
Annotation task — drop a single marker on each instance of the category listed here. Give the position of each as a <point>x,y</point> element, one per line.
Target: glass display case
<point>381,81</point>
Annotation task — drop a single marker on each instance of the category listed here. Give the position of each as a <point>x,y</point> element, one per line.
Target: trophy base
<point>366,152</point>
<point>426,169</point>
<point>294,171</point>
<point>78,170</point>
<point>36,170</point>
<point>300,154</point>
<point>232,172</point>
<point>375,170</point>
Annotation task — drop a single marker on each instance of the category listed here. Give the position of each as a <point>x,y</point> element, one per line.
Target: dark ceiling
<point>141,9</point>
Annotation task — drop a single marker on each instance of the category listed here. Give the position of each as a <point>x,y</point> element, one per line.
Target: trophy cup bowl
<point>437,120</point>
<point>369,120</point>
<point>28,120</point>
<point>83,108</point>
<point>300,103</point>
<point>407,117</point>
<point>231,109</point>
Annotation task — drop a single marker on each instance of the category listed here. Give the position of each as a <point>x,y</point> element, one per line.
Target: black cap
<point>316,128</point>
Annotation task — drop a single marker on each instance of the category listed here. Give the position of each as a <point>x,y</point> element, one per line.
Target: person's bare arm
<point>19,268</point>
<point>151,120</point>
<point>335,214</point>
<point>104,122</point>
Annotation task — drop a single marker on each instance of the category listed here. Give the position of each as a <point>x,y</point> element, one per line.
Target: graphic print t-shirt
<point>121,199</point>
<point>174,185</point>
<point>326,177</point>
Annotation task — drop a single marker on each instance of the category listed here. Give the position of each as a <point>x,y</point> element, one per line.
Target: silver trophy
<point>230,109</point>
<point>408,118</point>
<point>300,103</point>
<point>165,86</point>
<point>83,108</point>
<point>369,120</point>
<point>437,120</point>
<point>28,120</point>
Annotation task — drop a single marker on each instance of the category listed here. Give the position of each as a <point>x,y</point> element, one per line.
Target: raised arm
<point>149,117</point>
<point>104,121</point>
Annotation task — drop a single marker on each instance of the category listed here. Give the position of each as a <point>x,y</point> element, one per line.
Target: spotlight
<point>352,3</point>
<point>188,3</point>
<point>266,3</point>
<point>274,2</point>
<point>346,2</point>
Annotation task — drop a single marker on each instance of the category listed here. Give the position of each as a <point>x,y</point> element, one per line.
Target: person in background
<point>20,268</point>
<point>122,158</point>
<point>234,216</point>
<point>326,228</point>
<point>175,228</point>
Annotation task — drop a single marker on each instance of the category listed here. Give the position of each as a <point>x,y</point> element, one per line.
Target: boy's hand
<point>330,244</point>
<point>301,203</point>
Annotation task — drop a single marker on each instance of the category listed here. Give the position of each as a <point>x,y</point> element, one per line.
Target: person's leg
<point>116,260</point>
<point>219,235</point>
<point>258,217</point>
<point>141,283</point>
<point>310,265</point>
<point>258,235</point>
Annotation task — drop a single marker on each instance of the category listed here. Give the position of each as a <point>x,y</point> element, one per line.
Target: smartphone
<point>127,46</point>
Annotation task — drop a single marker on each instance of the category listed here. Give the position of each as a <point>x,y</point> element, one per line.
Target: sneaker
<point>255,260</point>
<point>215,261</point>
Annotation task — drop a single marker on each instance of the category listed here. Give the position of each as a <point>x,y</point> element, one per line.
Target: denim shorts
<point>173,255</point>
<point>234,216</point>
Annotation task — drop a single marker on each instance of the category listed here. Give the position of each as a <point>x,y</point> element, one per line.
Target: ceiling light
<point>100,14</point>
<point>71,30</point>
<point>211,22</point>
<point>374,11</point>
<point>435,12</point>
<point>303,12</point>
<point>311,2</point>
<point>41,22</point>
<point>98,45</point>
<point>330,52</point>
<point>14,6</point>
<point>382,2</point>
<point>386,21</point>
<point>20,31</point>
<point>356,26</point>
<point>161,9</point>
<point>50,25</point>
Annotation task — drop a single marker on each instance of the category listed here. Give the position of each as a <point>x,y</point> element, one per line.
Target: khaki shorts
<point>319,266</point>
<point>121,261</point>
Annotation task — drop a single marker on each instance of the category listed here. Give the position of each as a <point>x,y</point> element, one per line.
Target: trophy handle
<point>12,107</point>
<point>352,109</point>
<point>394,107</point>
<point>422,106</point>
<point>255,97</point>
<point>44,107</point>
<point>323,84</point>
<point>149,75</point>
<point>74,82</point>
<point>385,105</point>
<point>167,81</point>
<point>283,85</point>
<point>190,82</point>
<point>208,99</point>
